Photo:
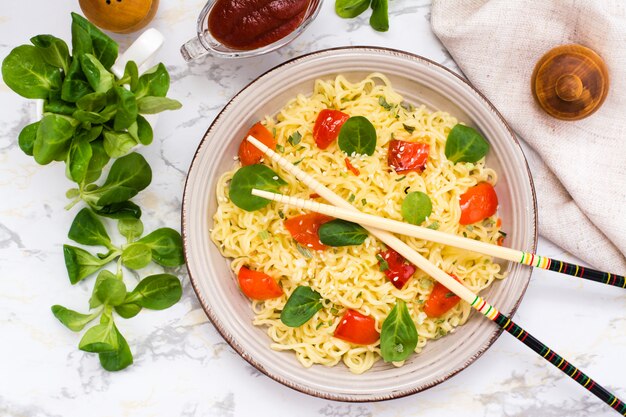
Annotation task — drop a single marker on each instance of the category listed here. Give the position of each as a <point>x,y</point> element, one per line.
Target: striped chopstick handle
<point>572,269</point>
<point>548,354</point>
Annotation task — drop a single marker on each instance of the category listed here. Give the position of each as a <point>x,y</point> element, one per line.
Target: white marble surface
<point>182,366</point>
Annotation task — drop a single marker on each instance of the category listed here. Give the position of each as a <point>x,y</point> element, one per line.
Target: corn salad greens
<point>379,19</point>
<point>91,118</point>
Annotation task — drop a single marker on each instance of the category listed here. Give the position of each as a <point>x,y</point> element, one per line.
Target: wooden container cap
<point>570,82</point>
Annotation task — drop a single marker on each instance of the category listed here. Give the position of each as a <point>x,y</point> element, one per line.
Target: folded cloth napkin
<point>580,176</point>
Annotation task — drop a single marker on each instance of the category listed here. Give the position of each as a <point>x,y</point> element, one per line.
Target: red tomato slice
<point>248,154</point>
<point>257,285</point>
<point>407,156</point>
<point>327,127</point>
<point>356,328</point>
<point>399,271</point>
<point>440,300</point>
<point>304,229</point>
<point>478,203</point>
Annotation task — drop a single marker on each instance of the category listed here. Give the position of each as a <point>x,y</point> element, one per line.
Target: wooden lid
<point>570,82</point>
<point>121,16</point>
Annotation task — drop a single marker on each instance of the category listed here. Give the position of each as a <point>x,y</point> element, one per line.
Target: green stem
<point>112,256</point>
<point>73,203</point>
<point>119,268</point>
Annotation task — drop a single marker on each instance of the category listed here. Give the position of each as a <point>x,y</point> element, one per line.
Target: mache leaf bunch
<point>91,118</point>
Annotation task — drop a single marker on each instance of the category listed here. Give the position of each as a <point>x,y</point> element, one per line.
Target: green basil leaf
<point>80,263</point>
<point>53,50</point>
<point>87,229</point>
<point>88,135</point>
<point>350,8</point>
<point>253,176</point>
<point>301,306</point>
<point>131,75</point>
<point>357,136</point>
<point>88,39</point>
<point>416,207</point>
<point>108,112</point>
<point>116,194</point>
<point>128,175</point>
<point>118,144</point>
<point>71,319</point>
<point>92,102</point>
<point>110,291</point>
<point>154,82</point>
<point>166,246</point>
<point>27,138</point>
<point>94,301</point>
<point>123,210</point>
<point>131,229</point>
<point>54,136</point>
<point>156,292</point>
<point>398,337</point>
<point>78,159</point>
<point>341,233</point>
<point>88,117</point>
<point>379,20</point>
<point>25,72</point>
<point>152,105</point>
<point>75,84</point>
<point>59,106</point>
<point>72,193</point>
<point>465,144</point>
<point>126,109</point>
<point>119,359</point>
<point>100,338</point>
<point>141,131</point>
<point>136,256</point>
<point>99,78</point>
<point>98,160</point>
<point>128,310</point>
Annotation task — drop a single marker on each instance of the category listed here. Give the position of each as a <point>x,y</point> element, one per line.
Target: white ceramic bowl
<point>419,81</point>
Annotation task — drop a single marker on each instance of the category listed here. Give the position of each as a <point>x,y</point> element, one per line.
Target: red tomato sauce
<point>251,24</point>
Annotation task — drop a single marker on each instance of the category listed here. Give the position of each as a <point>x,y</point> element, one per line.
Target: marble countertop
<point>182,365</point>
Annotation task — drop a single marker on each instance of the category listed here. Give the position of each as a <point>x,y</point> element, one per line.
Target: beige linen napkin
<point>580,176</point>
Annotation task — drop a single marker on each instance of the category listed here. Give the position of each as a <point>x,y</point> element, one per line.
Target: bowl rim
<point>228,338</point>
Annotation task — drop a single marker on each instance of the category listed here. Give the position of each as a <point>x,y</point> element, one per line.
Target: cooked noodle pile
<point>349,277</point>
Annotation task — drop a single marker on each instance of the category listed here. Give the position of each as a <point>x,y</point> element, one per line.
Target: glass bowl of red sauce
<point>244,28</point>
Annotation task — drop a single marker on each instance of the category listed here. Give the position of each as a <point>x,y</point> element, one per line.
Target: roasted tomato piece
<point>304,229</point>
<point>406,156</point>
<point>327,127</point>
<point>356,328</point>
<point>248,153</point>
<point>398,270</point>
<point>478,203</point>
<point>258,285</point>
<point>440,300</point>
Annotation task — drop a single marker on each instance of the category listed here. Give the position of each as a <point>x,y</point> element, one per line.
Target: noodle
<point>349,277</point>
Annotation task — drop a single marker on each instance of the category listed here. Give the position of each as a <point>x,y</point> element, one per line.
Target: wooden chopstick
<point>457,288</point>
<point>509,254</point>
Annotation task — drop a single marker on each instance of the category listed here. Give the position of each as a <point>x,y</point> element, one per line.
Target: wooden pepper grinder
<point>570,82</point>
<point>120,16</point>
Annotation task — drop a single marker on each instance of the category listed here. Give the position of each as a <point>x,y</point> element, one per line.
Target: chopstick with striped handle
<point>514,255</point>
<point>457,288</point>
